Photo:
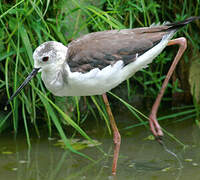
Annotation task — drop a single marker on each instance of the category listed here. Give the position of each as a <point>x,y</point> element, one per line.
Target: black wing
<point>100,49</point>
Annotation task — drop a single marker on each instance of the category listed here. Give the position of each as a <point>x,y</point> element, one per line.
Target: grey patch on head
<point>47,47</point>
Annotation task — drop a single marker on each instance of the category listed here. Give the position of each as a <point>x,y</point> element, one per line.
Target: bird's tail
<point>177,25</point>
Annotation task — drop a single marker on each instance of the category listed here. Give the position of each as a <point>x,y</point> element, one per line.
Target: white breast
<point>94,82</point>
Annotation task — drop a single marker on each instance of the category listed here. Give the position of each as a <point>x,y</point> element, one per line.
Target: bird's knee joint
<point>117,139</point>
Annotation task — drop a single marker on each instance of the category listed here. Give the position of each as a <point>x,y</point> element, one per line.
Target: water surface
<point>140,159</point>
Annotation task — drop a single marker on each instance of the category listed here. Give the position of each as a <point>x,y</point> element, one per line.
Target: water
<point>140,159</point>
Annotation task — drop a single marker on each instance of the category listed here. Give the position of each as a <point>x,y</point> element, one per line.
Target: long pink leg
<point>116,134</point>
<point>154,126</point>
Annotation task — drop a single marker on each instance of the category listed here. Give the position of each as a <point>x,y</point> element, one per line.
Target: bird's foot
<point>155,127</point>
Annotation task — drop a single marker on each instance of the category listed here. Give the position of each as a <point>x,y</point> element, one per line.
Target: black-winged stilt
<point>98,62</point>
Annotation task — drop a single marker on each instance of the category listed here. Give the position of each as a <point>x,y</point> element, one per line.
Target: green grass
<point>26,24</point>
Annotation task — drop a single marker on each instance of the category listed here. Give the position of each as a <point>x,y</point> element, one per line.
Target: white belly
<point>95,82</point>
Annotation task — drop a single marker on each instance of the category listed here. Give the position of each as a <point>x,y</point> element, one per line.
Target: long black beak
<point>26,81</point>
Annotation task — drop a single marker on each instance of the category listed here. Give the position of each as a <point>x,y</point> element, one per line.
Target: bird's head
<point>48,56</point>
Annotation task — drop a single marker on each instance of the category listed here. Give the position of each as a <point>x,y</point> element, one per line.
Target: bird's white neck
<point>53,77</point>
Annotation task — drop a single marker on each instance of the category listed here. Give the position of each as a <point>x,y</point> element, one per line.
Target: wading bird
<point>97,62</point>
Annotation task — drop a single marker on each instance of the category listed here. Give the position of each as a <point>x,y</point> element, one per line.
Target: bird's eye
<point>45,59</point>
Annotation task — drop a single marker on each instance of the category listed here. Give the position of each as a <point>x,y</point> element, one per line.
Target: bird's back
<point>100,49</point>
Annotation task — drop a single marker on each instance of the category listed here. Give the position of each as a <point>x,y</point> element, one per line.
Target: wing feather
<point>100,49</point>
